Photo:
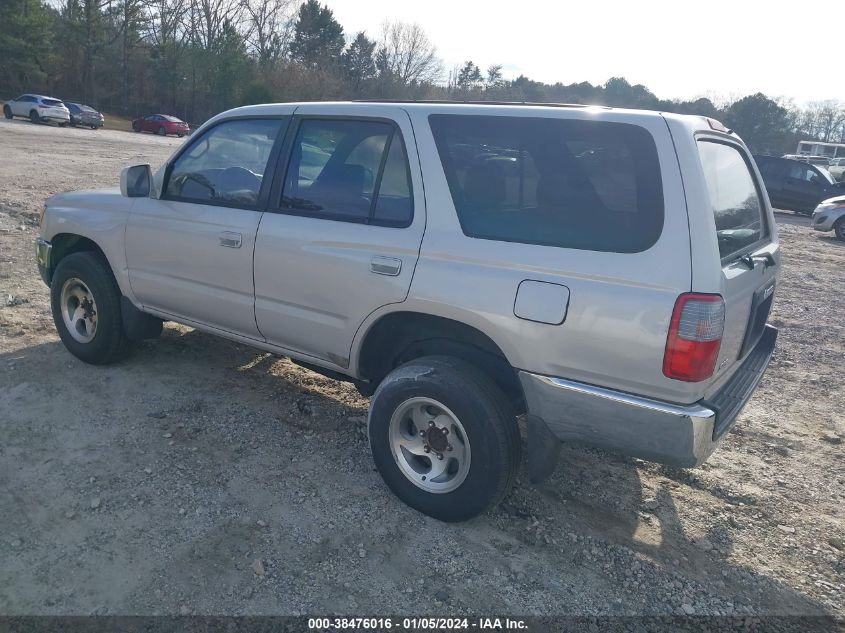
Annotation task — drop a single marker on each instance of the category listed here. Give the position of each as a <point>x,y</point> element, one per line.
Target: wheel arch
<point>64,244</point>
<point>399,336</point>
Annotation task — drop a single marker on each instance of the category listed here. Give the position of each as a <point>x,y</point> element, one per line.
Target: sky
<point>678,49</point>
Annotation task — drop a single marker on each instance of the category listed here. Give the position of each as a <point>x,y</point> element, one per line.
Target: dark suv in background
<point>796,185</point>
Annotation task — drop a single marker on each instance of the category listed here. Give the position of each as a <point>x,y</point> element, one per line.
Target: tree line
<point>194,58</point>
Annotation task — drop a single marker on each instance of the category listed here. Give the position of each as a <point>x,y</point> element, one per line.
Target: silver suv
<point>604,275</point>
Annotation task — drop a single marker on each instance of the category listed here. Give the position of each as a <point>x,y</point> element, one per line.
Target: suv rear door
<point>737,208</point>
<point>343,229</point>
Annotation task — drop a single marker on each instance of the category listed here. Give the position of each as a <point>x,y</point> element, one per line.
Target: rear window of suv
<point>734,197</point>
<point>592,185</point>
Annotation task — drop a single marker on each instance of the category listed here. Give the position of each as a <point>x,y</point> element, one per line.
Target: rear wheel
<point>7,112</point>
<point>33,116</point>
<point>85,302</point>
<point>839,229</point>
<point>162,131</point>
<point>444,437</point>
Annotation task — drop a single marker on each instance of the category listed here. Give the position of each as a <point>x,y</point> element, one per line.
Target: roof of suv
<point>694,123</point>
<point>433,105</point>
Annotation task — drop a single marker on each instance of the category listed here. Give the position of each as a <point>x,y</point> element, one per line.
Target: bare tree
<point>267,27</point>
<point>208,17</point>
<point>406,56</point>
<point>165,30</point>
<point>827,117</point>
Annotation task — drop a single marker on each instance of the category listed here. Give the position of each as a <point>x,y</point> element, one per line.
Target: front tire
<point>162,131</point>
<point>85,301</point>
<point>839,229</point>
<point>444,437</point>
<point>7,112</point>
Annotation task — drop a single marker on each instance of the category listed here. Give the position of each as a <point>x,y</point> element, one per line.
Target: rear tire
<point>408,414</point>
<point>839,229</point>
<point>85,301</point>
<point>7,112</point>
<point>33,117</point>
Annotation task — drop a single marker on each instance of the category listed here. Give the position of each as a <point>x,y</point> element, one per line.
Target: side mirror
<point>135,181</point>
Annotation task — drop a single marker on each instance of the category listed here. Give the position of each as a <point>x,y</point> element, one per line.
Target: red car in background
<point>161,124</point>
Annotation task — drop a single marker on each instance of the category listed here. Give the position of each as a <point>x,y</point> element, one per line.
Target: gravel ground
<point>201,476</point>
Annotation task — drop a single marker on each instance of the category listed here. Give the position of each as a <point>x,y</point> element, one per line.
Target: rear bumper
<point>680,435</point>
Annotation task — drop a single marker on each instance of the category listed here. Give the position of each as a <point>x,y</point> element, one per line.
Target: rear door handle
<point>390,266</point>
<point>230,239</point>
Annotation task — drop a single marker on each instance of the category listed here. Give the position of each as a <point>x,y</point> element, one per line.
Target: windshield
<point>826,174</point>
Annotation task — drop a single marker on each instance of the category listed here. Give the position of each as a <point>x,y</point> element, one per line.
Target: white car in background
<point>837,168</point>
<point>38,109</point>
<point>830,216</point>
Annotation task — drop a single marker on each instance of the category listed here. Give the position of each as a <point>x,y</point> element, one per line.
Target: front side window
<point>733,196</point>
<point>226,164</point>
<point>349,170</point>
<point>591,185</point>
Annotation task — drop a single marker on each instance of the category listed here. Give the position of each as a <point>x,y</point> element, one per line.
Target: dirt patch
<point>155,485</point>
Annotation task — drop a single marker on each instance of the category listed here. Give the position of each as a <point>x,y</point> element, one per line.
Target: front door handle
<point>230,239</point>
<point>390,266</point>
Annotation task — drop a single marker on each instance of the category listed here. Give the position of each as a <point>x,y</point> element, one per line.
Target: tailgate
<point>734,245</point>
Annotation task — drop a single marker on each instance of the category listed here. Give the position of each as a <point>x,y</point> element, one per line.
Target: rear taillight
<point>695,335</point>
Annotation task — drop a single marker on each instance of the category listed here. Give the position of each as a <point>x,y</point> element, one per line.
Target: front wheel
<point>7,112</point>
<point>85,301</point>
<point>444,437</point>
<point>162,131</point>
<point>839,229</point>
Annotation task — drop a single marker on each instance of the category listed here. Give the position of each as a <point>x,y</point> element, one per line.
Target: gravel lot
<point>204,477</point>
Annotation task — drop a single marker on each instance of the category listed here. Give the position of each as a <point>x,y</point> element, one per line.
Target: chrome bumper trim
<point>578,413</point>
<point>657,406</point>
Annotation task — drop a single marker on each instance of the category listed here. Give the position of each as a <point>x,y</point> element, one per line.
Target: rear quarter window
<point>591,185</point>
<point>734,197</point>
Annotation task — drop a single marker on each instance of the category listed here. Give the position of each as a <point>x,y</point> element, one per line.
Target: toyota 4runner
<point>605,275</point>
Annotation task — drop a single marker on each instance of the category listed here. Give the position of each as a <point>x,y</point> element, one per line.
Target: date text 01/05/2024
<point>423,623</point>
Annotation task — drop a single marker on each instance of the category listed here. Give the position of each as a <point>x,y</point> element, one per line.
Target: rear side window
<point>591,185</point>
<point>226,164</point>
<point>349,170</point>
<point>734,197</point>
